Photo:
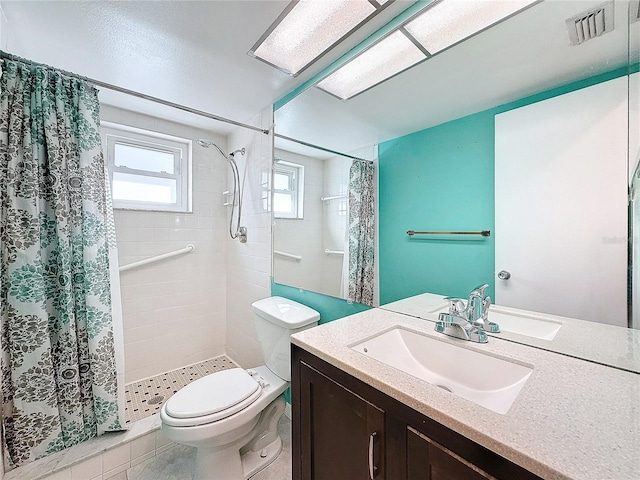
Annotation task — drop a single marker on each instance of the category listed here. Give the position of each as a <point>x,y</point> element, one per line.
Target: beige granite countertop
<point>597,342</point>
<point>573,419</point>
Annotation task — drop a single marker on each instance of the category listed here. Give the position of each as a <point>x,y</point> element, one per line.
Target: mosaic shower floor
<point>146,397</point>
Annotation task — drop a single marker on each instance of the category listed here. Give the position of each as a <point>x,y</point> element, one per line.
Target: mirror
<point>310,246</point>
<point>440,131</point>
<point>309,249</point>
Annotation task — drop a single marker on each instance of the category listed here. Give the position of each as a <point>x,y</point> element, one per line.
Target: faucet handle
<point>479,290</point>
<point>486,303</point>
<point>484,322</point>
<point>456,305</point>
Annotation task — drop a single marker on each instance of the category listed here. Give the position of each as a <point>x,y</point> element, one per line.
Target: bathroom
<point>197,306</point>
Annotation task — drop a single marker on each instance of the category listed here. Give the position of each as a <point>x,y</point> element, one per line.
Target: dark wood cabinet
<point>344,429</point>
<point>427,460</point>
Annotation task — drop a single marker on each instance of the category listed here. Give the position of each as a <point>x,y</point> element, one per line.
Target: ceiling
<point>192,53</point>
<point>524,55</point>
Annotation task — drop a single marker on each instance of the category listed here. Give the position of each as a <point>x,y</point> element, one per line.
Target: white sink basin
<point>484,379</point>
<point>520,323</point>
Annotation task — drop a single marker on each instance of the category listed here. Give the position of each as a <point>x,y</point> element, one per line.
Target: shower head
<point>203,142</point>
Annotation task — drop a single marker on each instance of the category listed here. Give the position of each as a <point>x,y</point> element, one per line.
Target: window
<point>147,170</point>
<point>288,190</point>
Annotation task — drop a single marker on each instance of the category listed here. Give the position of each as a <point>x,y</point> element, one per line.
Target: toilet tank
<point>276,319</point>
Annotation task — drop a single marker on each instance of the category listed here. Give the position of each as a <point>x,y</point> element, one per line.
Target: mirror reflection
<point>309,249</point>
<point>322,218</point>
<point>521,133</point>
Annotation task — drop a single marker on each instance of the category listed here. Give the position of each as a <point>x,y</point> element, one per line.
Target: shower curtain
<point>361,232</point>
<point>59,375</point>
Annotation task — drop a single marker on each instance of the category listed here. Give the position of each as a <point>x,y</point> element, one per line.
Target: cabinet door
<point>427,460</point>
<point>342,435</point>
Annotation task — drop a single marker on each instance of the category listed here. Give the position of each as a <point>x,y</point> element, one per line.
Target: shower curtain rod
<point>319,148</point>
<point>133,93</point>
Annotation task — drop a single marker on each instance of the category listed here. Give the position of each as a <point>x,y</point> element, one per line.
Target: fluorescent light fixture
<point>449,21</point>
<point>382,60</point>
<point>309,28</point>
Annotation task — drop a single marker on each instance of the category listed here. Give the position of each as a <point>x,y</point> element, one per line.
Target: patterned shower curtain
<point>361,232</point>
<point>58,363</point>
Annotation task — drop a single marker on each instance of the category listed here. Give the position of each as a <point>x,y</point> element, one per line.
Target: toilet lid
<point>212,394</point>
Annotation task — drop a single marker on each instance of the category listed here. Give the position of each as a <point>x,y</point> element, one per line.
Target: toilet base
<point>253,462</point>
<point>240,460</point>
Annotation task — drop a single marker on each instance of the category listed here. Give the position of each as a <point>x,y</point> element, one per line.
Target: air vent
<point>590,24</point>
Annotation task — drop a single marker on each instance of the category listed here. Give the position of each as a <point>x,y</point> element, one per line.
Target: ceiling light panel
<point>450,21</point>
<point>309,28</point>
<point>384,59</point>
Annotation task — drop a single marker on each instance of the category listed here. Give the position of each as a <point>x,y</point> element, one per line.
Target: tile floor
<point>146,397</point>
<point>178,462</point>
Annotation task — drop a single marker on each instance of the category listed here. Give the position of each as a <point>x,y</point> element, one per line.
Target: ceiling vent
<point>590,24</point>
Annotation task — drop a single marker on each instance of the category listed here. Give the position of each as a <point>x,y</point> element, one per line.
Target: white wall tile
<point>87,469</point>
<point>143,446</point>
<point>248,273</point>
<point>116,474</point>
<point>117,457</point>
<point>172,290</point>
<point>162,443</point>
<point>60,475</point>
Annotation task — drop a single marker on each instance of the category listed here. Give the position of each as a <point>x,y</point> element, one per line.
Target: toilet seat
<point>211,398</point>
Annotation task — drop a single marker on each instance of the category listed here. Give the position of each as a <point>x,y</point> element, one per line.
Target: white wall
<point>174,310</point>
<point>249,264</point>
<point>4,30</point>
<point>302,236</point>
<point>561,225</point>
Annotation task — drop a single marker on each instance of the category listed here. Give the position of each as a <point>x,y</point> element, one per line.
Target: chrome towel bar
<point>484,233</point>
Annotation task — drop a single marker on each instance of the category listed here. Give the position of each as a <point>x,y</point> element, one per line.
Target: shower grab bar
<point>297,258</point>
<point>484,233</point>
<point>333,197</point>
<point>333,252</point>
<point>188,249</point>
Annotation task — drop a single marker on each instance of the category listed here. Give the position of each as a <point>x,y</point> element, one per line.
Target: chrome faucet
<point>478,310</point>
<point>469,321</point>
<point>459,327</point>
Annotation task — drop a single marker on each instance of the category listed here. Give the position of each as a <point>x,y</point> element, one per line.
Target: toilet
<point>232,416</point>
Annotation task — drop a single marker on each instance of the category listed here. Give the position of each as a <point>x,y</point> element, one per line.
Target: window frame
<point>296,173</point>
<point>180,148</point>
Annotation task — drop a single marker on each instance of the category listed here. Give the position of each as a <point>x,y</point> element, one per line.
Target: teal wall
<point>442,179</point>
<point>439,179</point>
<point>330,308</point>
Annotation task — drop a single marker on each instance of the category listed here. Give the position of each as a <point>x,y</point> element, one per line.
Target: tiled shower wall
<point>249,264</point>
<point>174,310</point>
<point>302,236</point>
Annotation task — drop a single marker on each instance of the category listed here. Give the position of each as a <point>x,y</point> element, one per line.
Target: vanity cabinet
<point>427,460</point>
<point>344,429</point>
